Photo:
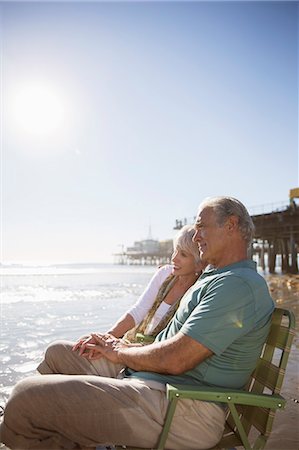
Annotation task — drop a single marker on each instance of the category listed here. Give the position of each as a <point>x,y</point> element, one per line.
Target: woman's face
<point>183,263</point>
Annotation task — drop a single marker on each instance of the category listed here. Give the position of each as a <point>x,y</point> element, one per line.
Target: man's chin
<point>202,253</point>
<point>204,258</point>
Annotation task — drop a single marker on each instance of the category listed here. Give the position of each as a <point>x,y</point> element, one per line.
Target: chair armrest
<point>222,395</point>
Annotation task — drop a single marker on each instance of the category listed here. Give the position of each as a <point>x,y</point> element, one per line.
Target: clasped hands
<point>97,345</point>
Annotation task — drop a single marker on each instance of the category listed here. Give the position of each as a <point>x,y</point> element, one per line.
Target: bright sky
<point>117,116</point>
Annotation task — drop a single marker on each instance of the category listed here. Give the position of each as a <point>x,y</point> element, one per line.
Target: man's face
<point>212,239</point>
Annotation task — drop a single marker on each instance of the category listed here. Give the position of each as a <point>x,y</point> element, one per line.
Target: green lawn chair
<point>250,409</point>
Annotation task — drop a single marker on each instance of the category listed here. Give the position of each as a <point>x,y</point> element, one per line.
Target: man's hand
<point>93,346</point>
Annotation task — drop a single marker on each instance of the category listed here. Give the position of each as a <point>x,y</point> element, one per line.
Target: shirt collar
<point>244,264</point>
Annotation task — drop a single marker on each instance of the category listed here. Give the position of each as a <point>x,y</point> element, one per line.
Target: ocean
<point>40,304</point>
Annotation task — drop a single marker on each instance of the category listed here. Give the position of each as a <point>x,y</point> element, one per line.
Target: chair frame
<point>248,408</point>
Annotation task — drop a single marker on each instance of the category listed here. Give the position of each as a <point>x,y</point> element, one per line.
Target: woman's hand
<point>82,342</point>
<point>103,345</point>
<point>86,345</point>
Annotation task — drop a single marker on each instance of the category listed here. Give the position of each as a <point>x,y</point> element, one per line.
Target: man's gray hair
<point>225,207</point>
<point>184,241</point>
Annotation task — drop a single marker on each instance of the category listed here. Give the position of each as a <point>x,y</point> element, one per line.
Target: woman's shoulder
<point>164,271</point>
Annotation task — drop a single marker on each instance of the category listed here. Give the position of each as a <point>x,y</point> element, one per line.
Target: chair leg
<point>240,428</point>
<point>167,423</point>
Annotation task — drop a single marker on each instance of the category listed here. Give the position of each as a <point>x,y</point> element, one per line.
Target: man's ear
<point>232,223</point>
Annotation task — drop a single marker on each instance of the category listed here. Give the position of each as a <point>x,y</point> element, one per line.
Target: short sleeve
<point>225,312</point>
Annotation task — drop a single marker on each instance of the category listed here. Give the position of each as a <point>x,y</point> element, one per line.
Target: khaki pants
<point>82,403</point>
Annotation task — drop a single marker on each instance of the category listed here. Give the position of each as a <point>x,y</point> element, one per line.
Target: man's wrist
<point>121,356</point>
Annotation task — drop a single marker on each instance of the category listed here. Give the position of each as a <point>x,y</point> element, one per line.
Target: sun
<point>38,109</point>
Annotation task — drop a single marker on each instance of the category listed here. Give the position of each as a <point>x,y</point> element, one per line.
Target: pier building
<point>146,252</point>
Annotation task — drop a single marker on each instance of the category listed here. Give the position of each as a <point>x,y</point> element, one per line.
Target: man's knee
<point>55,353</point>
<point>27,422</point>
<point>21,399</point>
<point>57,348</point>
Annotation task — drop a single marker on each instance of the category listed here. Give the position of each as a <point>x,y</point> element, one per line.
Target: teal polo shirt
<point>228,310</point>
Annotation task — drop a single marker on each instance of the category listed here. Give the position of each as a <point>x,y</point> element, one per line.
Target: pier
<point>146,252</point>
<point>277,237</point>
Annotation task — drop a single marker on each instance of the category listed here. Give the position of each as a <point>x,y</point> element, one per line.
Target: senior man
<point>87,398</point>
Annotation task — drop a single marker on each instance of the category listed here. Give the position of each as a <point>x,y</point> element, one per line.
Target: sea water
<point>43,303</point>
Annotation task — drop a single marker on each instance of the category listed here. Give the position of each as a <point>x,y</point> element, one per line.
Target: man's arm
<point>173,356</point>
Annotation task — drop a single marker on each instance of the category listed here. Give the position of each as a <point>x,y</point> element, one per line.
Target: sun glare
<point>38,109</point>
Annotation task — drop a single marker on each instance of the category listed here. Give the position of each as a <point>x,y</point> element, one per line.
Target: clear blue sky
<point>120,115</point>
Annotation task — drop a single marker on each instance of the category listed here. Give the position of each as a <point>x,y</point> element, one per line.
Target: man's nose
<point>196,236</point>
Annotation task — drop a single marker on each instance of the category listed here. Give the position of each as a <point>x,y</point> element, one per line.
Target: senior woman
<point>144,320</point>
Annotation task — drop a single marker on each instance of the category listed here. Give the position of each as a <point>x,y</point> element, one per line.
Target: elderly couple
<point>210,326</point>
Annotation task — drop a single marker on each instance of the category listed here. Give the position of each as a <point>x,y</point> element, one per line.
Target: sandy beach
<point>285,433</point>
<point>40,308</point>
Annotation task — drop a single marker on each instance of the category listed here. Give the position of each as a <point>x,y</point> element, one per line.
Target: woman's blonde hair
<point>183,241</point>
